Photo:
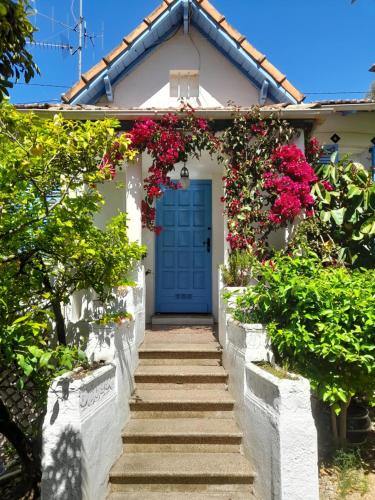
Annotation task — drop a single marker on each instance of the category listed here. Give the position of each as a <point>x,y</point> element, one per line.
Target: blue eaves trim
<point>164,28</point>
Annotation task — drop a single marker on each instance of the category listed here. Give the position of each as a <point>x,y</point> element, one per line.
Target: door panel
<point>183,254</point>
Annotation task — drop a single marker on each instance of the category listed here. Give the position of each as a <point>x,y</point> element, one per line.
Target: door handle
<point>208,243</point>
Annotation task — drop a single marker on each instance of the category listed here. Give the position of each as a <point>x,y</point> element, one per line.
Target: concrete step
<point>179,361</point>
<point>186,386</point>
<point>184,468</point>
<point>182,319</point>
<point>209,414</point>
<point>174,337</point>
<point>180,351</point>
<point>162,495</point>
<point>183,430</point>
<point>181,374</point>
<point>179,448</point>
<point>181,400</point>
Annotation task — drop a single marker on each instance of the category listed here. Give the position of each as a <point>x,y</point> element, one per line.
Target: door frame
<point>207,182</point>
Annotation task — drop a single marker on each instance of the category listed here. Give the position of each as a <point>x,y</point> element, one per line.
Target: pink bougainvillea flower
<point>327,185</point>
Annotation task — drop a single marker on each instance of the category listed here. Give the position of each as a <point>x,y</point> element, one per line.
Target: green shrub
<point>343,227</point>
<point>321,320</point>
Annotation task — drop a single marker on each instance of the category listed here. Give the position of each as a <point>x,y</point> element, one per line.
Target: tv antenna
<point>80,28</point>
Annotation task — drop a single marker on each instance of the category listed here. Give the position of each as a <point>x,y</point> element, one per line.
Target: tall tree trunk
<point>60,322</point>
<point>56,307</point>
<point>334,427</point>
<point>343,423</point>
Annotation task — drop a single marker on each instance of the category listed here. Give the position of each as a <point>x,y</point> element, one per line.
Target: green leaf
<point>338,215</point>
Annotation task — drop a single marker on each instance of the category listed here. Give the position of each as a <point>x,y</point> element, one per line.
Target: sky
<point>325,47</point>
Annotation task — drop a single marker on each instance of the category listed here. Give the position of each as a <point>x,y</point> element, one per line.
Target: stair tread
<point>186,465</point>
<point>180,370</point>
<point>182,427</point>
<point>161,495</point>
<point>180,347</point>
<point>175,338</point>
<point>182,395</point>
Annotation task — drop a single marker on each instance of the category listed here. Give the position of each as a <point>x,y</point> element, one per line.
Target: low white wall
<point>81,436</point>
<point>85,416</point>
<point>274,414</point>
<point>280,436</point>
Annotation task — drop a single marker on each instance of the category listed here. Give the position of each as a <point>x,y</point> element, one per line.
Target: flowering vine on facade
<point>168,141</point>
<point>267,181</point>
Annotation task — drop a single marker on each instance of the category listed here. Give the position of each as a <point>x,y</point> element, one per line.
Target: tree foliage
<point>50,245</point>
<point>15,31</point>
<point>343,228</point>
<point>321,321</point>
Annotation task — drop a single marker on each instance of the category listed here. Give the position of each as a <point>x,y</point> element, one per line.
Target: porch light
<point>184,177</point>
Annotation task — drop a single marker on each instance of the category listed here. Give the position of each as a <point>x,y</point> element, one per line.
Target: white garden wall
<point>85,416</point>
<point>81,436</point>
<point>280,435</point>
<point>274,414</point>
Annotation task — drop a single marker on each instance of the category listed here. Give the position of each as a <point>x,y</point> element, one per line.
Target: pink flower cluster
<point>290,181</point>
<point>167,145</point>
<point>327,185</point>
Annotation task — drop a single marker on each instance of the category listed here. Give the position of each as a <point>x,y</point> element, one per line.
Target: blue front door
<point>183,250</point>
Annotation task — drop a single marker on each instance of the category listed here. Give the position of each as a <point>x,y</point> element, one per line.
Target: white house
<point>186,49</point>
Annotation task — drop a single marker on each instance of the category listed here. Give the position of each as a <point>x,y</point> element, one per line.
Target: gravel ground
<point>329,485</point>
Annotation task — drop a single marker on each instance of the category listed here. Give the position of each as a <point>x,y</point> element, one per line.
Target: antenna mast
<point>80,38</point>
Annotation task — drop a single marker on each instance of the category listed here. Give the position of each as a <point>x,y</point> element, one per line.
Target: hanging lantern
<point>184,177</point>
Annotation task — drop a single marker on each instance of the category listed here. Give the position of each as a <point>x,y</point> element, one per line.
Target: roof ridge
<point>261,60</point>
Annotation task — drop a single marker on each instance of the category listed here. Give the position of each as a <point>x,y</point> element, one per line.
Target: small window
<point>184,83</point>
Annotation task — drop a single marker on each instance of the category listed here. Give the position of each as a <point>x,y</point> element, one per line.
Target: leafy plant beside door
<point>321,321</point>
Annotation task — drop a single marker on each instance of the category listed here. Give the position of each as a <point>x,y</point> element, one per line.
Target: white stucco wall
<point>205,169</point>
<point>356,130</point>
<point>279,434</point>
<point>147,86</point>
<point>85,415</point>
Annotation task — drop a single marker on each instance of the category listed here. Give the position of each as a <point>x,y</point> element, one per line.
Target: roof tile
<point>211,11</point>
<point>94,71</point>
<point>115,52</point>
<point>299,97</point>
<point>253,52</point>
<point>77,87</point>
<point>274,72</point>
<point>156,13</point>
<point>236,35</point>
<point>141,28</point>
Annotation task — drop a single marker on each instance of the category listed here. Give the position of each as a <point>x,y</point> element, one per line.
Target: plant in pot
<point>241,269</point>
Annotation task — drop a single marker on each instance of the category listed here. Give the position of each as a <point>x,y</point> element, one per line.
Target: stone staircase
<point>182,441</point>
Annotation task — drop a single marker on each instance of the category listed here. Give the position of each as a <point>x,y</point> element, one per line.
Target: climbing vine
<point>267,181</point>
<point>169,141</point>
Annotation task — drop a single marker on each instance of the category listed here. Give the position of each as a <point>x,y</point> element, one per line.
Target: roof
<point>311,110</point>
<point>157,27</point>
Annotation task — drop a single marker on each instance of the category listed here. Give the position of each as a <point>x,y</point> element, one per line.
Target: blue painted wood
<point>186,7</point>
<point>183,262</point>
<point>373,162</point>
<point>329,150</point>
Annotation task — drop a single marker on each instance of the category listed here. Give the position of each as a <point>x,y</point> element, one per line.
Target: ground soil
<point>329,483</point>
